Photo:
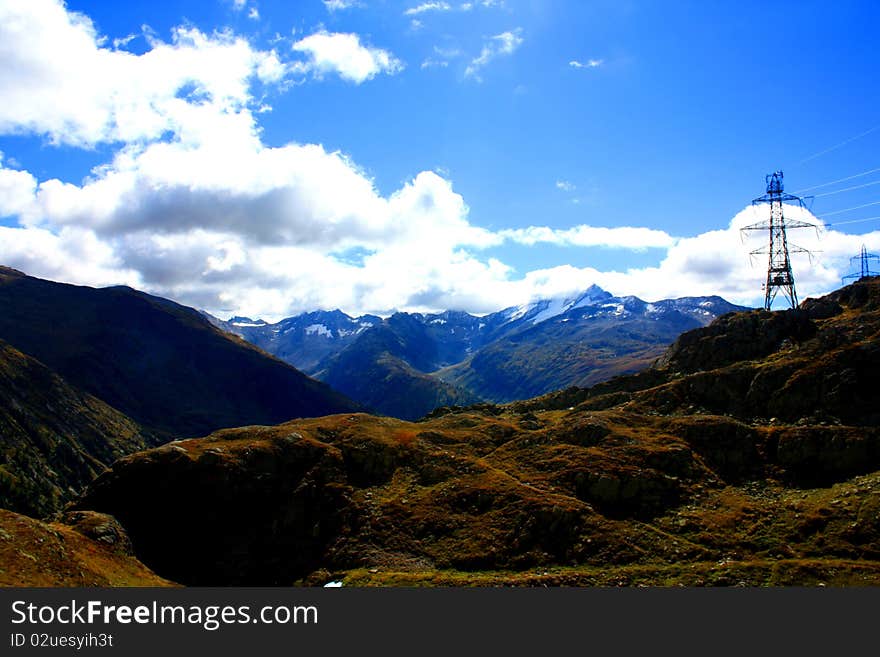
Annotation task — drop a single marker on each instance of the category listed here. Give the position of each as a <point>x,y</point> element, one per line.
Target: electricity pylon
<point>779,275</point>
<point>864,259</point>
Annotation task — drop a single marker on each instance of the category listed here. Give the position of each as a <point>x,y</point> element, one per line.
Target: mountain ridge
<point>402,364</point>
<point>158,362</point>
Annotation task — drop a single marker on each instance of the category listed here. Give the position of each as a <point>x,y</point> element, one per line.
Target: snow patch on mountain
<point>320,329</point>
<point>544,309</point>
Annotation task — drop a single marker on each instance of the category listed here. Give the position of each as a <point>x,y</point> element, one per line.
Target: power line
<point>857,207</point>
<point>840,180</point>
<point>840,145</point>
<point>852,221</point>
<point>848,189</point>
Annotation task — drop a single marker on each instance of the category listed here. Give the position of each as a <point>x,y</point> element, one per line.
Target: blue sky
<point>266,158</point>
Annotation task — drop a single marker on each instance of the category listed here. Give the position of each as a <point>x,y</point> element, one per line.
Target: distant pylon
<point>864,259</point>
<point>779,275</point>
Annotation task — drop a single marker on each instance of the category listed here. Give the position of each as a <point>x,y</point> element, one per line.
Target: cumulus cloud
<point>502,44</point>
<point>60,82</point>
<point>16,190</point>
<point>214,218</point>
<point>344,55</point>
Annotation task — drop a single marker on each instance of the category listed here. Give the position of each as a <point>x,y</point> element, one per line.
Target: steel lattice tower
<point>779,275</point>
<point>864,259</point>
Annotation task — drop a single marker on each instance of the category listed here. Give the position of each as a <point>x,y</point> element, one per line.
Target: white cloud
<point>565,185</point>
<point>442,58</point>
<point>72,255</point>
<point>625,237</point>
<point>427,6</point>
<point>505,43</point>
<point>439,6</point>
<point>254,14</point>
<point>718,262</point>
<point>590,63</point>
<point>122,42</point>
<point>16,190</point>
<point>58,80</point>
<point>264,231</point>
<point>344,55</point>
<point>336,5</point>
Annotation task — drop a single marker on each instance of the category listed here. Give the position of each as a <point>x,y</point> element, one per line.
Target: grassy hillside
<point>89,550</point>
<point>54,438</point>
<point>557,354</point>
<point>162,364</point>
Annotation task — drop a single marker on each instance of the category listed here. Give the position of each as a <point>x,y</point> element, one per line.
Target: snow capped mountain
<point>515,353</point>
<point>536,312</point>
<point>304,340</point>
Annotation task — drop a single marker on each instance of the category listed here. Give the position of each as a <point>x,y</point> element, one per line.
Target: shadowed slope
<point>54,438</point>
<point>160,363</point>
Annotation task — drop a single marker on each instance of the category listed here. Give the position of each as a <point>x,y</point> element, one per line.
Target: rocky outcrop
<point>91,553</point>
<point>736,337</point>
<point>228,513</point>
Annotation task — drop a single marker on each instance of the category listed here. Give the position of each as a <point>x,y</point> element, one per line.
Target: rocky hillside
<point>162,364</point>
<point>84,549</point>
<point>54,438</point>
<point>749,455</point>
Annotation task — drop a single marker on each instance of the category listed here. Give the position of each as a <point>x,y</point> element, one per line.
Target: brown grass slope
<point>751,455</point>
<point>54,438</point>
<point>89,550</point>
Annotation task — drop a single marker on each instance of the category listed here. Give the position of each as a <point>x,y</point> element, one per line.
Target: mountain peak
<point>245,321</point>
<point>592,294</point>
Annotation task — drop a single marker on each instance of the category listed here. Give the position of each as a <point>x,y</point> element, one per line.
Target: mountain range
<point>410,363</point>
<point>749,454</point>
